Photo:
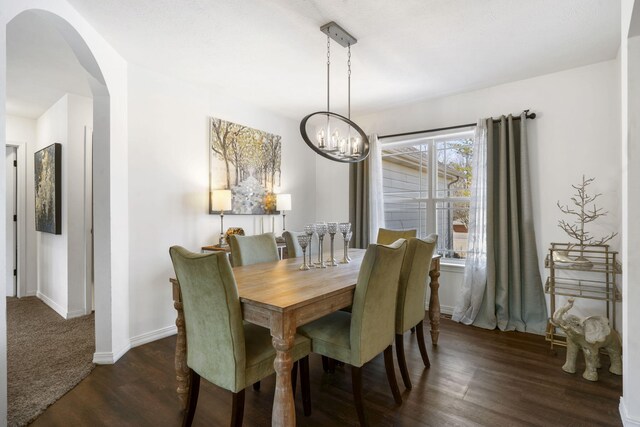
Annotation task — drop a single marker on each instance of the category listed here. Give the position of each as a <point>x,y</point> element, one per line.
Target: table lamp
<point>221,201</point>
<point>283,203</point>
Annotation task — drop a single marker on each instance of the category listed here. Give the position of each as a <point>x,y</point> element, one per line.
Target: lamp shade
<point>221,200</point>
<point>283,202</point>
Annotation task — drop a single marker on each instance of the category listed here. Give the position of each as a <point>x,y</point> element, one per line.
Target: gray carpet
<point>46,356</point>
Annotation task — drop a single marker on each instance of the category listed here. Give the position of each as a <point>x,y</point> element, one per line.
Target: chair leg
<point>294,378</point>
<point>391,374</point>
<point>237,409</point>
<point>402,362</point>
<point>256,386</point>
<point>305,385</point>
<point>192,399</point>
<point>356,382</point>
<point>421,346</point>
<point>325,364</point>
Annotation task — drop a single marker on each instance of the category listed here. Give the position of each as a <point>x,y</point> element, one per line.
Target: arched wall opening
<point>107,73</point>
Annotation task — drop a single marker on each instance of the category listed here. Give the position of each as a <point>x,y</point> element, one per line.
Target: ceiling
<point>273,54</point>
<point>41,67</point>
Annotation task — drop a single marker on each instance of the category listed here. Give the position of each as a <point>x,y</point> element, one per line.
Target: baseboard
<point>52,304</point>
<point>153,336</point>
<point>30,294</point>
<point>445,309</point>
<point>624,415</point>
<point>108,357</point>
<point>76,313</point>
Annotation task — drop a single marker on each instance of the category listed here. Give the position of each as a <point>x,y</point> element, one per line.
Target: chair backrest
<point>247,250</point>
<point>413,282</point>
<point>294,249</point>
<point>374,301</point>
<point>386,236</point>
<point>213,317</point>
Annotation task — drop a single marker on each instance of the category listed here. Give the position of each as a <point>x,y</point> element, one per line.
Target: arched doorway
<point>107,76</point>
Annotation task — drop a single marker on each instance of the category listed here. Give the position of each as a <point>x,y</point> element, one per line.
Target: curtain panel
<point>513,296</point>
<point>366,204</point>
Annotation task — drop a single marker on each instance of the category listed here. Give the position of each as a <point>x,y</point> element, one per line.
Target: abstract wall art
<point>246,161</point>
<point>48,189</point>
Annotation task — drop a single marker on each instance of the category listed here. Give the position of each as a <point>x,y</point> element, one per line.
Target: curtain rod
<point>527,115</point>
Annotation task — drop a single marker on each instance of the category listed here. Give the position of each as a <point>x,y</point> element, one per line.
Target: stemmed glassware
<point>345,228</point>
<point>332,228</point>
<point>303,240</point>
<point>348,238</point>
<point>310,229</point>
<point>321,229</point>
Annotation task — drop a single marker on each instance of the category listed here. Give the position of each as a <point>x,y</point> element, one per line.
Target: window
<point>426,183</point>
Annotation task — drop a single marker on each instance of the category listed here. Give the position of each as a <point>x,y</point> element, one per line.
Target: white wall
<point>23,130</point>
<point>630,124</point>
<point>169,184</point>
<point>80,116</point>
<point>60,260</point>
<point>52,268</point>
<point>577,131</point>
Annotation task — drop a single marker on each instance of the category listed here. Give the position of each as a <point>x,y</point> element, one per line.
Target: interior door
<point>11,219</point>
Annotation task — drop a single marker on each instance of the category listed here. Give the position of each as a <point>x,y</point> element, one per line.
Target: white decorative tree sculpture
<point>583,215</point>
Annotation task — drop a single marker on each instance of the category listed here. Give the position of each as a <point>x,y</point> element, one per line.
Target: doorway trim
<point>21,156</point>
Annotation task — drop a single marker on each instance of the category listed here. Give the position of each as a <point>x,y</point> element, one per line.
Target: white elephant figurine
<point>589,334</point>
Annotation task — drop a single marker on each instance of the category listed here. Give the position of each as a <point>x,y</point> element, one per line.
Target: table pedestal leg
<point>283,405</point>
<point>434,304</point>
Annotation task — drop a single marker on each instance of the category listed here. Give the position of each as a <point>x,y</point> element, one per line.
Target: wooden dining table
<point>279,296</point>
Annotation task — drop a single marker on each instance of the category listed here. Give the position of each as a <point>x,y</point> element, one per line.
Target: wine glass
<point>310,229</point>
<point>345,227</point>
<point>347,240</point>
<point>321,229</point>
<point>303,240</point>
<point>332,228</point>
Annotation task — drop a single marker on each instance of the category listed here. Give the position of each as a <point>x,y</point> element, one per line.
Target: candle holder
<point>332,228</point>
<point>303,240</point>
<point>345,227</point>
<point>347,240</point>
<point>310,230</point>
<point>321,229</point>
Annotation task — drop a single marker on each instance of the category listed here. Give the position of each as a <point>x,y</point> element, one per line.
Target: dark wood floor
<point>477,377</point>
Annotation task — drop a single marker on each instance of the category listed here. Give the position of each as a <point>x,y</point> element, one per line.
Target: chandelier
<point>328,133</point>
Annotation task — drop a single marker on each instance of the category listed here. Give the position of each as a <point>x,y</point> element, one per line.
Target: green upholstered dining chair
<point>223,349</point>
<point>357,337</point>
<point>294,249</point>
<point>386,236</point>
<point>247,250</point>
<point>411,298</point>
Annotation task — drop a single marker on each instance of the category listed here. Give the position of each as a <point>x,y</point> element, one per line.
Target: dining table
<point>279,296</point>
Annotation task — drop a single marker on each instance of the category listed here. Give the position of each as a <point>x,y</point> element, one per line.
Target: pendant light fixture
<point>330,134</point>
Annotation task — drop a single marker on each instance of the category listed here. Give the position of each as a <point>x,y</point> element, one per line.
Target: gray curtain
<point>359,203</point>
<point>514,297</point>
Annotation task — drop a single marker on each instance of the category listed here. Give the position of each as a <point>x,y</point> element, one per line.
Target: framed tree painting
<point>246,161</point>
<point>48,182</point>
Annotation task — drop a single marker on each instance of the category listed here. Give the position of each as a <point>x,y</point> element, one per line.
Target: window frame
<point>427,198</point>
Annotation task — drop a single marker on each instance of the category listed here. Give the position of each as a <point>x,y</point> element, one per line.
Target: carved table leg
<point>182,370</point>
<point>283,334</point>
<point>434,301</point>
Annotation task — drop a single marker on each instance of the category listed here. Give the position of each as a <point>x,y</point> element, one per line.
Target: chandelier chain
<point>349,81</point>
<point>328,68</point>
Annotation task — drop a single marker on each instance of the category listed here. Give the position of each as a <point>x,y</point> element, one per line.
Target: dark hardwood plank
<point>477,377</point>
